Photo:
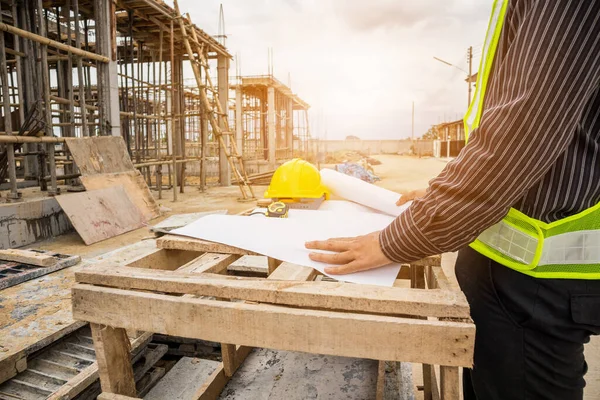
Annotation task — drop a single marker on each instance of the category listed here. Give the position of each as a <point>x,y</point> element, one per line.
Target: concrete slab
<point>274,375</point>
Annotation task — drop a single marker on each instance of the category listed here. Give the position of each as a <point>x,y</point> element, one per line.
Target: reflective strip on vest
<point>473,115</point>
<point>578,247</point>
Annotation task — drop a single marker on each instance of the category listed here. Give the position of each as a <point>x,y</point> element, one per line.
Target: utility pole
<point>470,61</point>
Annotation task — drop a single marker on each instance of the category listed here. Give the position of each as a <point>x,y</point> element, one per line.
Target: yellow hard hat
<point>296,178</point>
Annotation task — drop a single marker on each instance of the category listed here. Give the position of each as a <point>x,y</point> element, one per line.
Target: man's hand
<point>410,196</point>
<point>350,254</point>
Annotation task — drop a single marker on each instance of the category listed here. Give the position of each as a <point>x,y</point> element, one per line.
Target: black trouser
<point>530,331</point>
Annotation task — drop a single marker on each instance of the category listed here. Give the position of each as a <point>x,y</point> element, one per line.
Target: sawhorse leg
<point>114,360</point>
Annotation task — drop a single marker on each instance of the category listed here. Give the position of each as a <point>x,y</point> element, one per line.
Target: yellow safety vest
<point>568,248</point>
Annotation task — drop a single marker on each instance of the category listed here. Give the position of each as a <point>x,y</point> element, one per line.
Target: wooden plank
<point>28,257</point>
<point>234,356</point>
<point>27,273</point>
<point>292,272</point>
<point>228,352</point>
<point>428,261</point>
<point>134,185</point>
<point>164,259</point>
<point>114,362</point>
<point>253,265</point>
<point>112,396</point>
<point>417,278</point>
<point>324,295</point>
<point>430,386</point>
<point>272,265</point>
<point>214,263</point>
<point>185,243</point>
<point>183,380</point>
<point>277,327</point>
<point>380,381</point>
<point>447,265</point>
<point>213,386</point>
<point>449,384</point>
<point>100,154</point>
<point>101,214</point>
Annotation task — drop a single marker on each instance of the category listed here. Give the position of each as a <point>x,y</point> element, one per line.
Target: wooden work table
<point>428,323</point>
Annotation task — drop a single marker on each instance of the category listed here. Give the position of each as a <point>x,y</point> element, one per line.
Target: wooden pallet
<point>68,370</point>
<point>428,323</point>
<point>18,266</point>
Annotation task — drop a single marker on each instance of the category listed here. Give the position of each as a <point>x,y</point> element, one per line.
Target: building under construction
<point>94,68</point>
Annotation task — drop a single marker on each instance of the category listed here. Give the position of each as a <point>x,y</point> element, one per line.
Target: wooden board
<point>319,295</point>
<point>14,273</point>
<point>114,364</point>
<point>40,259</point>
<point>101,214</point>
<point>214,263</point>
<point>133,183</point>
<point>183,380</point>
<point>185,243</point>
<point>262,325</point>
<point>212,388</point>
<point>100,154</point>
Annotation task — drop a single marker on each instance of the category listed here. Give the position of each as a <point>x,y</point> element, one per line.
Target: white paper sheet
<point>284,238</point>
<point>361,192</point>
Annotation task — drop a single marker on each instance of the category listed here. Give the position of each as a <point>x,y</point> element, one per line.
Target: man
<point>535,148</point>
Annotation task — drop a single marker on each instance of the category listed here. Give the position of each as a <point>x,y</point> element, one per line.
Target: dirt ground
<point>398,173</point>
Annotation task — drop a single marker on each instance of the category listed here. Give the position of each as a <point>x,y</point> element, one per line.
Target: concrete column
<point>289,127</point>
<point>108,79</point>
<point>223,83</point>
<point>271,125</point>
<point>239,128</point>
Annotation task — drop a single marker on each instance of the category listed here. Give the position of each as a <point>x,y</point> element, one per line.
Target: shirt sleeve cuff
<point>403,242</point>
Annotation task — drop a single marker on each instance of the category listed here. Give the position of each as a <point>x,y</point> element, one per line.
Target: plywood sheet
<point>101,214</point>
<point>100,154</point>
<point>134,185</point>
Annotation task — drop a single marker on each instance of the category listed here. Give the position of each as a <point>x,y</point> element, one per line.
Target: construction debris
<point>358,171</point>
<point>17,266</point>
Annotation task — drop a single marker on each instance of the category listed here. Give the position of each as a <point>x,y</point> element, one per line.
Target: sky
<point>359,64</point>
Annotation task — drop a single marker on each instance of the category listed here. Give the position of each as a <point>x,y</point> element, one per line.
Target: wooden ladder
<point>216,115</point>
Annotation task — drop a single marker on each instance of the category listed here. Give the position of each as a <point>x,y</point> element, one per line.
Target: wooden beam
<point>213,263</point>
<point>277,327</point>
<point>272,264</point>
<point>449,385</point>
<point>114,363</point>
<point>52,43</point>
<point>323,295</point>
<point>28,257</point>
<point>212,388</point>
<point>112,396</point>
<point>292,272</point>
<point>184,243</point>
<point>380,389</point>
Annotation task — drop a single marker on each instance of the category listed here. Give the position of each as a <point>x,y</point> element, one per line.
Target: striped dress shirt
<point>537,147</point>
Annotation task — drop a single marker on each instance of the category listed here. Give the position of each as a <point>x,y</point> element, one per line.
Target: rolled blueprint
<point>361,192</point>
